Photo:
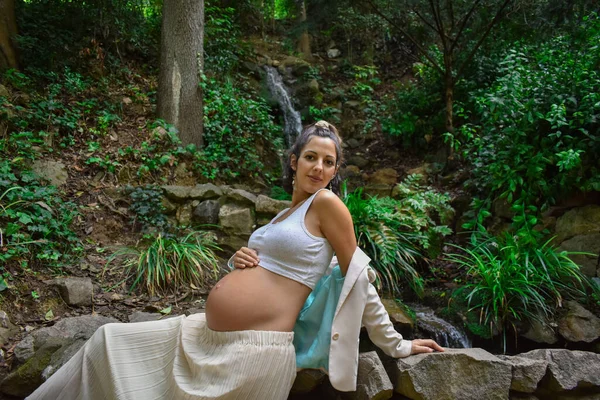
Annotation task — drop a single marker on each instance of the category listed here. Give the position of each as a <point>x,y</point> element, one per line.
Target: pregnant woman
<point>242,347</point>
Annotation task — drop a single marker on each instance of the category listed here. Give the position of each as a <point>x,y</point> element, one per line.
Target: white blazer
<point>359,305</point>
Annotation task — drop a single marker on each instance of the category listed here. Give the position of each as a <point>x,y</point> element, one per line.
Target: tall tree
<point>459,26</point>
<point>8,30</point>
<point>181,63</point>
<point>304,40</point>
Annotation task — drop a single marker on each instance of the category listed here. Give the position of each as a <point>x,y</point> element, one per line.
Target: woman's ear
<point>293,162</point>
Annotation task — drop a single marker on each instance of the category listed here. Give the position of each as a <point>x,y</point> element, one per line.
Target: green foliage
<point>535,137</point>
<point>34,220</point>
<point>426,211</point>
<point>146,205</point>
<point>516,277</point>
<point>239,134</point>
<point>278,193</point>
<point>96,35</point>
<point>397,233</point>
<point>169,263</point>
<point>161,151</point>
<point>222,46</point>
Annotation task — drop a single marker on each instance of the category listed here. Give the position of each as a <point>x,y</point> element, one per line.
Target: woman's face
<point>316,165</point>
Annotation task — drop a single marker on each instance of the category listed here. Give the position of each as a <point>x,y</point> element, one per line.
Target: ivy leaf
<point>166,311</point>
<point>49,315</point>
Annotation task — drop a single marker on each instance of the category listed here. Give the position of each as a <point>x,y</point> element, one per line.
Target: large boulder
<point>526,372</point>
<point>236,219</point>
<point>294,66</point>
<point>184,215</point>
<point>568,371</point>
<point>454,374</point>
<point>578,221</point>
<point>53,171</point>
<point>45,350</point>
<point>372,382</point>
<point>578,324</point>
<point>589,243</point>
<point>74,291</point>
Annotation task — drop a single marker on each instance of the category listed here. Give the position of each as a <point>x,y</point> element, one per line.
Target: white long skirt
<point>177,358</point>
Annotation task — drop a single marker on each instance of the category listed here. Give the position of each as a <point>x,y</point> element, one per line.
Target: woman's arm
<point>382,333</point>
<point>335,222</point>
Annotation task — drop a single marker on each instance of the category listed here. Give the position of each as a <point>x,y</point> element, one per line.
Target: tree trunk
<point>181,63</point>
<point>449,99</point>
<point>8,29</point>
<point>304,42</point>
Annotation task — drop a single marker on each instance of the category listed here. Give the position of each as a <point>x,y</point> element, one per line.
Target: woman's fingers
<point>425,346</point>
<point>245,257</point>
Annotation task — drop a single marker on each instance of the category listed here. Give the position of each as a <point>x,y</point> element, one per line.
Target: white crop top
<point>287,248</point>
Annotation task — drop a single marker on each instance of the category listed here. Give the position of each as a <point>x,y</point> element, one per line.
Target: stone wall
<point>232,212</point>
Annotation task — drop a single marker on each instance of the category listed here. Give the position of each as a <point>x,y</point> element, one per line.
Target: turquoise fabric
<point>312,332</point>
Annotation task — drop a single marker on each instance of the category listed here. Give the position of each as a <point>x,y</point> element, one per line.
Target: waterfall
<point>292,122</point>
<point>443,332</point>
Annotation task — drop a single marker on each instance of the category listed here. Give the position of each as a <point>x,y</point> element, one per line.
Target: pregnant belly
<point>255,299</point>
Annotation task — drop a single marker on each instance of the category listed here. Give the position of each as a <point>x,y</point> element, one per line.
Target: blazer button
<point>335,336</point>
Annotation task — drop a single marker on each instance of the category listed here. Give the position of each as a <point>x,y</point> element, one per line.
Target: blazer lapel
<point>358,263</point>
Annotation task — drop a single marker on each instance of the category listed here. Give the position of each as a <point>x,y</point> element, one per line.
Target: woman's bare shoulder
<point>329,204</point>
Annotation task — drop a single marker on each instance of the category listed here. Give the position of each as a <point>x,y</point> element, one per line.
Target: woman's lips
<point>316,180</point>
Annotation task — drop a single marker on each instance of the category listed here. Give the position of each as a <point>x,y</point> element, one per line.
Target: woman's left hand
<point>424,346</point>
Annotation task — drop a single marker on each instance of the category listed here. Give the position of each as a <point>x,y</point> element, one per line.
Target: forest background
<point>488,109</point>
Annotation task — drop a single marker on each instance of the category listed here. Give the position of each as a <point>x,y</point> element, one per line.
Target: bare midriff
<point>255,299</point>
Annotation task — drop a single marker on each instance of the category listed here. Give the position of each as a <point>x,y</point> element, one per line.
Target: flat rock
<point>140,316</point>
<point>466,374</point>
<point>307,380</point>
<point>242,197</point>
<point>267,205</point>
<point>177,193</point>
<point>205,191</point>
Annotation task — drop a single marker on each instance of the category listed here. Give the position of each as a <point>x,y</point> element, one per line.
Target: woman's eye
<point>309,157</point>
<point>330,162</point>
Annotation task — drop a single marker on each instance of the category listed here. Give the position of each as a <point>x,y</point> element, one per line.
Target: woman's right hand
<point>245,257</point>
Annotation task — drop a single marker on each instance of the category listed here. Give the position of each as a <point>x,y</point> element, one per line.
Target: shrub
<point>147,207</point>
<point>34,220</point>
<point>534,134</point>
<point>240,136</point>
<point>168,262</point>
<point>516,277</point>
<point>397,233</point>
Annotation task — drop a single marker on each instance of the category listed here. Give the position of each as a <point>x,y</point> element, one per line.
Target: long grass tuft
<point>169,263</point>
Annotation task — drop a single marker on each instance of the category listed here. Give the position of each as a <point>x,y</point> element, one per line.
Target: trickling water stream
<point>292,122</point>
<point>443,332</point>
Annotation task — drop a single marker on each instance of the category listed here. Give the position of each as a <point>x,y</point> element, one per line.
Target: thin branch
<point>480,42</point>
<point>438,22</point>
<point>427,22</point>
<point>413,40</point>
<point>463,23</point>
<point>451,13</point>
